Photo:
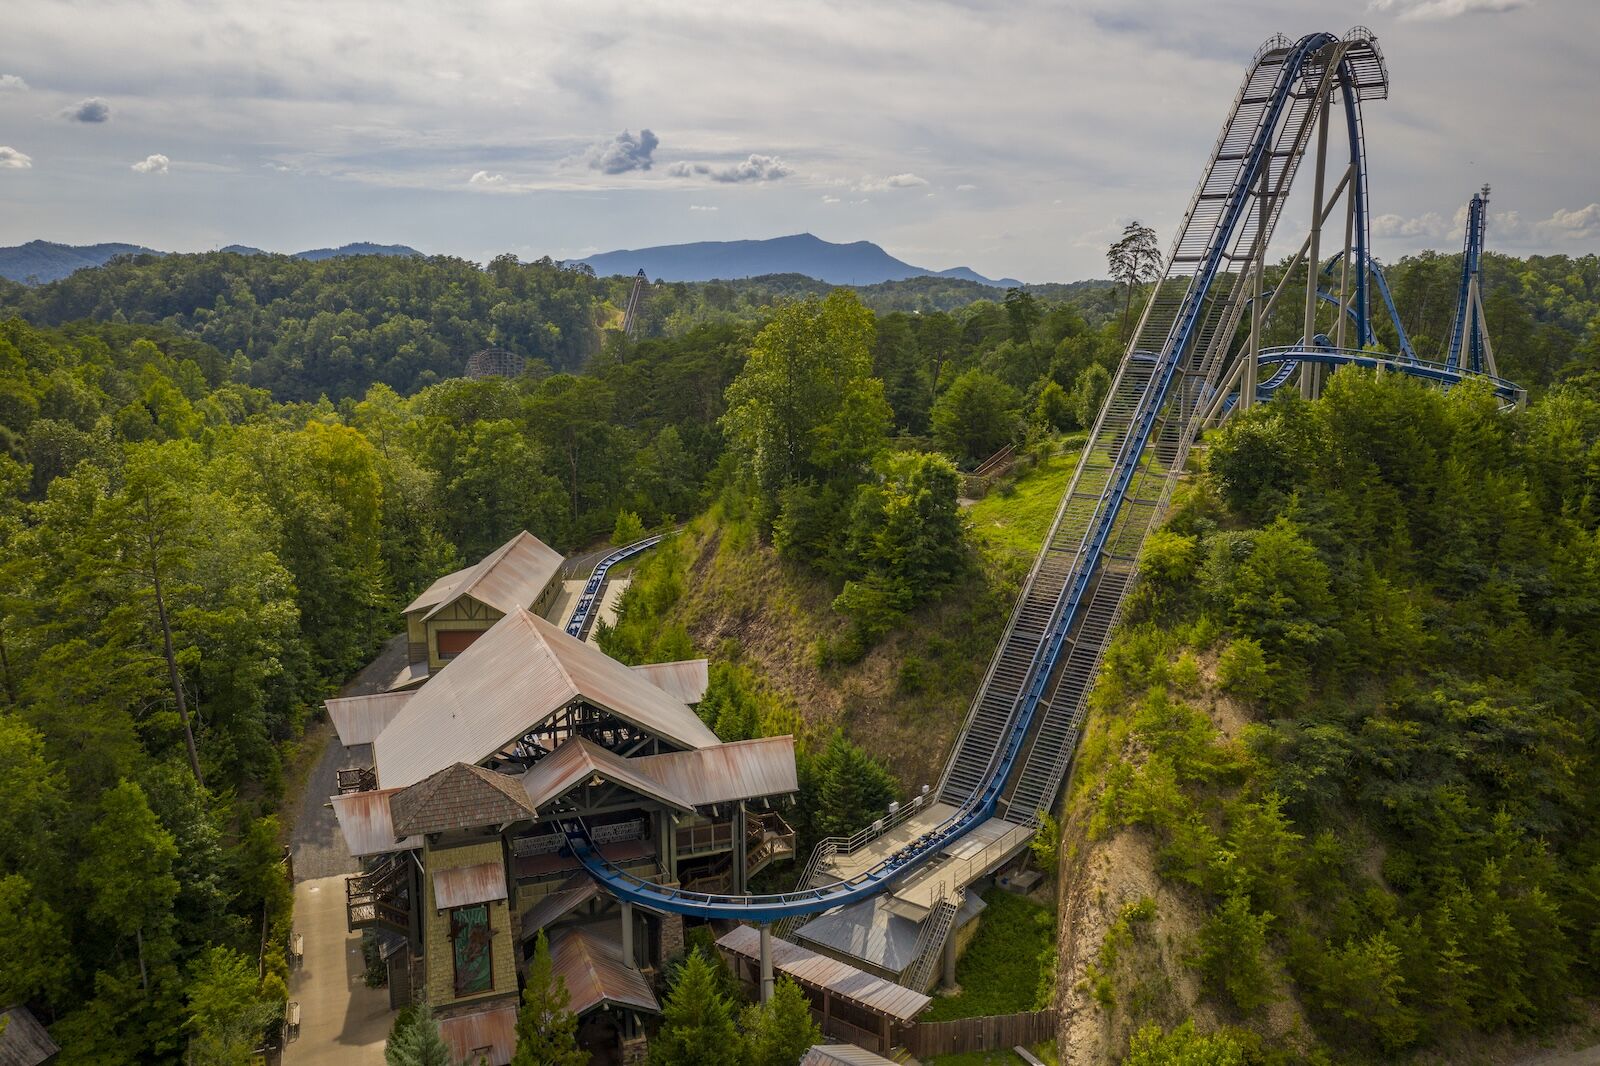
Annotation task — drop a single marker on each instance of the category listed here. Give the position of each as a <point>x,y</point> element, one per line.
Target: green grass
<point>1002,968</point>
<point>1016,518</point>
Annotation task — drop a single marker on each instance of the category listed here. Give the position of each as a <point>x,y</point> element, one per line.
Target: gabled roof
<point>461,796</point>
<point>23,1041</point>
<point>592,966</point>
<point>368,825</point>
<point>519,673</point>
<point>743,769</point>
<point>359,719</point>
<point>511,576</point>
<point>578,762</point>
<point>686,680</point>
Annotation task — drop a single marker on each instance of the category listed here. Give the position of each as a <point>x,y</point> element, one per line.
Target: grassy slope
<point>905,700</point>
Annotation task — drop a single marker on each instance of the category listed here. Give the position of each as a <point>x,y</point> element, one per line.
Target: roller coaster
<point>1011,756</point>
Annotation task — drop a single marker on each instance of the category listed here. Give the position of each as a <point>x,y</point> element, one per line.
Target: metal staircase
<point>930,941</point>
<point>380,898</point>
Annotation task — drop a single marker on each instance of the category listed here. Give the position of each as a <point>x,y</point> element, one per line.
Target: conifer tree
<point>698,1028</point>
<point>415,1040</point>
<point>547,1032</point>
<point>780,1030</point>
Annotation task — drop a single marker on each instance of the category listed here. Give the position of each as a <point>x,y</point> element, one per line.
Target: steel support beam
<point>766,963</point>
<point>1308,371</point>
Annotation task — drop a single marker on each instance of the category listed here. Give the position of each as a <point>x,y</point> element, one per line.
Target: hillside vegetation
<point>1335,789</point>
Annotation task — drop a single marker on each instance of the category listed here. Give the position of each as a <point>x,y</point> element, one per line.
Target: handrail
<point>579,619</point>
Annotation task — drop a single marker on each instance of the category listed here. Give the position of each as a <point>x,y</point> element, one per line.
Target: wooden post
<point>739,858</point>
<point>627,936</point>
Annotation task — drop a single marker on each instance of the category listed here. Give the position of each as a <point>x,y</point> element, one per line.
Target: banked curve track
<point>1022,727</point>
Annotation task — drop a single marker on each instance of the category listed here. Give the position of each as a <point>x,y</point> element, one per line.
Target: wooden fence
<point>993,1033</point>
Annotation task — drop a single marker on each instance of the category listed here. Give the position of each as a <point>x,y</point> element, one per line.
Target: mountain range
<point>857,263</point>
<point>42,261</point>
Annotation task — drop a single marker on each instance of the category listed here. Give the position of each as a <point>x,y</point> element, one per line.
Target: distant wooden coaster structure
<point>495,363</point>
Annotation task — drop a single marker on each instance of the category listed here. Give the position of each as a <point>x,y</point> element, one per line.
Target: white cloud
<point>702,207</point>
<point>966,188</point>
<point>483,177</point>
<point>153,164</point>
<point>893,181</point>
<point>1430,225</point>
<point>830,199</point>
<point>1423,10</point>
<point>624,152</point>
<point>754,168</point>
<point>12,83</point>
<point>93,111</point>
<point>1582,224</point>
<point>11,159</point>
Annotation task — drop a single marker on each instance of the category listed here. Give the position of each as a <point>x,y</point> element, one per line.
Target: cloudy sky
<point>1015,138</point>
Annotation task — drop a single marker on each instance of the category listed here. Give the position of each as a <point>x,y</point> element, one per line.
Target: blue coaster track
<point>1126,470</point>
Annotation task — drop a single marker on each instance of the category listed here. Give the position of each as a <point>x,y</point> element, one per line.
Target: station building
<point>455,814</point>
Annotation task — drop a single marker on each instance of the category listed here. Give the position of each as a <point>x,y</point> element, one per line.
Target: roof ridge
<point>544,639</point>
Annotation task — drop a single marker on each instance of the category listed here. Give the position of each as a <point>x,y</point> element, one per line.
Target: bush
<point>1232,954</point>
<point>627,530</point>
<point>1242,670</point>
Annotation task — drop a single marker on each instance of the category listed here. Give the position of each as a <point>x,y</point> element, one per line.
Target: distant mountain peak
<point>856,263</point>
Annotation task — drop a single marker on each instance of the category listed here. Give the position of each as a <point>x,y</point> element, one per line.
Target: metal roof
<point>462,796</point>
<point>490,1034</point>
<point>509,577</point>
<point>842,1055</point>
<point>462,886</point>
<point>359,719</point>
<point>23,1041</point>
<point>686,680</point>
<point>591,963</point>
<point>743,769</point>
<point>368,825</point>
<point>820,972</point>
<point>574,893</point>
<point>578,762</point>
<point>873,933</point>
<point>515,676</point>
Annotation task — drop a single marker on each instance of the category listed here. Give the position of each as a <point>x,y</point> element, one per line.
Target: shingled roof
<point>459,797</point>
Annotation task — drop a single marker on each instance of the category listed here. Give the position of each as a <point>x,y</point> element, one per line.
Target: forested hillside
<point>221,475</point>
<point>1334,792</point>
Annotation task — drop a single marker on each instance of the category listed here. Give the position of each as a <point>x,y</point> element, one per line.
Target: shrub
<point>1242,670</point>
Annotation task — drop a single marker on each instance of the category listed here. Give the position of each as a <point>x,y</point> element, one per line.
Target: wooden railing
<point>704,839</point>
<point>357,779</point>
<point>996,1032</point>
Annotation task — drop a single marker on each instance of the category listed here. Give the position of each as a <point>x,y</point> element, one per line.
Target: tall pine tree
<point>547,1032</point>
<point>698,1028</point>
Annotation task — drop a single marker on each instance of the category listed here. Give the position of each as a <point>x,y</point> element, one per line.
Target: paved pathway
<point>342,1021</point>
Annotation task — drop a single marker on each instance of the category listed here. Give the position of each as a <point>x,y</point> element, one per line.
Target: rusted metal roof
<point>462,886</point>
<point>685,680</point>
<point>578,762</point>
<point>574,893</point>
<point>820,972</point>
<point>744,769</point>
<point>359,719</point>
<point>368,825</point>
<point>509,577</point>
<point>489,1034</point>
<point>591,963</point>
<point>462,796</point>
<point>515,676</point>
<point>23,1041</point>
<point>842,1055</point>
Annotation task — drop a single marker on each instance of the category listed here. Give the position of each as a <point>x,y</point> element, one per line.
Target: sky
<point>1015,138</point>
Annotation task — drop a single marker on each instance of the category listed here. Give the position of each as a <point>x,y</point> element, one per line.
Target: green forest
<point>221,476</point>
<point>1396,590</point>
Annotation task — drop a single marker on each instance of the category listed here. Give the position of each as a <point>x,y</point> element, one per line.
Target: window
<point>470,938</point>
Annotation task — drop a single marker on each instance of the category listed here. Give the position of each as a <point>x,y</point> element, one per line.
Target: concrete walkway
<point>342,1021</point>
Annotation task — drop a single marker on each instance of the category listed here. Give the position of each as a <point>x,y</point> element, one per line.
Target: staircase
<point>930,942</point>
<point>379,898</point>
